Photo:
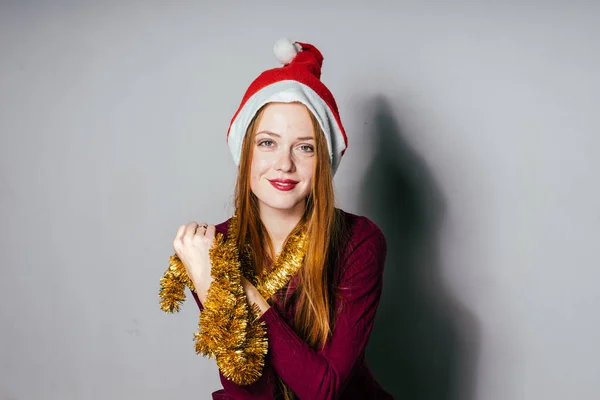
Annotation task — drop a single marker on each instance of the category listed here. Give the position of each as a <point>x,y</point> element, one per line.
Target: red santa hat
<point>298,80</point>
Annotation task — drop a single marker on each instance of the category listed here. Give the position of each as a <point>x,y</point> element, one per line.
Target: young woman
<point>287,140</point>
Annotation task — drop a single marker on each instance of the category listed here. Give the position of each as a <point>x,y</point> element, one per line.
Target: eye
<point>266,143</point>
<point>307,148</point>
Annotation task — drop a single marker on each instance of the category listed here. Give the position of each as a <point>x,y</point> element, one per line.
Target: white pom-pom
<point>285,50</point>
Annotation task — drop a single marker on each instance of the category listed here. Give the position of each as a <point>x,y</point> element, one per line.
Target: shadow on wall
<point>424,344</point>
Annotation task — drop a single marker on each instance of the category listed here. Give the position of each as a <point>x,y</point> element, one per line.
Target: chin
<point>279,201</point>
<point>281,204</point>
<point>274,199</point>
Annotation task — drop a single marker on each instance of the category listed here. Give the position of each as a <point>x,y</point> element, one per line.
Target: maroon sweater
<point>339,370</point>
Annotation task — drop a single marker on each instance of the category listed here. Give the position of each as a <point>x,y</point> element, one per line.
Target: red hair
<point>315,294</point>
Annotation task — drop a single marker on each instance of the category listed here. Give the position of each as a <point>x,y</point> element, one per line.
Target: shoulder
<point>222,227</point>
<point>364,239</point>
<point>361,229</point>
<point>364,253</point>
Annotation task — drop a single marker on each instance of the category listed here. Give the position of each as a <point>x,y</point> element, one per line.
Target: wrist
<point>254,297</point>
<point>201,285</point>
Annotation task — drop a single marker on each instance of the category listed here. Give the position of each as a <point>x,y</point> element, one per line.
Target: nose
<point>284,161</point>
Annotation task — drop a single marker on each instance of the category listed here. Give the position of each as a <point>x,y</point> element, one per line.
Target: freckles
<point>260,166</point>
<point>307,169</point>
<point>264,165</point>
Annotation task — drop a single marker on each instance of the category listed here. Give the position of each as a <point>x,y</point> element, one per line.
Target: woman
<point>287,140</point>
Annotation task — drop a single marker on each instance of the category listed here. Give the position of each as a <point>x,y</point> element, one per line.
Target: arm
<point>200,306</point>
<point>324,374</point>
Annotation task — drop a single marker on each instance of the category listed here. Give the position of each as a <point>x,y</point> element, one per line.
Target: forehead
<point>286,118</point>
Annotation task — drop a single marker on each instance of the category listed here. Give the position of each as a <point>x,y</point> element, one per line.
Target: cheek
<point>260,165</point>
<point>307,169</point>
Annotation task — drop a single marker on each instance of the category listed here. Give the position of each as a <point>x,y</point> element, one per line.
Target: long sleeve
<point>262,389</point>
<point>200,306</point>
<point>324,374</point>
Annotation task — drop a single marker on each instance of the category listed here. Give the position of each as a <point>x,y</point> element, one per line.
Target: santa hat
<point>298,80</point>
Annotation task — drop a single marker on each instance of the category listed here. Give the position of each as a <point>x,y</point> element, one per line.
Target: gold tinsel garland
<point>229,329</point>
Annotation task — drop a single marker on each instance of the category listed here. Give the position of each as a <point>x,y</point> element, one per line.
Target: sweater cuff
<point>270,316</point>
<point>195,296</point>
<point>276,325</point>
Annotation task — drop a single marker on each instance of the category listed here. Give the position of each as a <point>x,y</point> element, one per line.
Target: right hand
<point>191,244</point>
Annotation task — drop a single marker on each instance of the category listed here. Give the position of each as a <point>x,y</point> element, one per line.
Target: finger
<point>210,231</point>
<point>201,229</point>
<point>190,230</point>
<point>179,232</point>
<point>178,237</point>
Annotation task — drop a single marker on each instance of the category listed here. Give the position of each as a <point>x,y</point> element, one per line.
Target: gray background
<point>473,131</point>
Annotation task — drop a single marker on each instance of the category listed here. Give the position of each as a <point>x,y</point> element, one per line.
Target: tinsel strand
<point>229,329</point>
<point>172,286</point>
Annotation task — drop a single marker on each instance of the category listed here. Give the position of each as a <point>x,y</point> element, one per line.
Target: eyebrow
<point>277,135</point>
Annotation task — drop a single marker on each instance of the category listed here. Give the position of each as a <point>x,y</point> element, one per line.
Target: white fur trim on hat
<point>288,91</point>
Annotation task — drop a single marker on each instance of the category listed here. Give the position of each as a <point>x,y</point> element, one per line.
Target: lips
<point>283,184</point>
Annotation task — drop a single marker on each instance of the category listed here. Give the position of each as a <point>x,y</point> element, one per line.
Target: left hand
<point>254,296</point>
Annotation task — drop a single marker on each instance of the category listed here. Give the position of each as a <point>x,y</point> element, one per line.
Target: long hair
<point>314,296</point>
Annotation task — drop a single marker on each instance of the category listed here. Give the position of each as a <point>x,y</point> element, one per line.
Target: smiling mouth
<point>283,185</point>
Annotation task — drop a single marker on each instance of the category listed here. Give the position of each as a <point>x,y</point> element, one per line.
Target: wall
<point>473,133</point>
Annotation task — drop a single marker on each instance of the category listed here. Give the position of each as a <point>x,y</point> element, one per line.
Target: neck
<point>280,223</point>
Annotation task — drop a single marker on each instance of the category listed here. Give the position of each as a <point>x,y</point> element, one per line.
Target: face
<point>284,157</point>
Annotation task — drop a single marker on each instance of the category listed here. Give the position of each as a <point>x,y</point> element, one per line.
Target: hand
<point>191,244</point>
<point>254,296</point>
